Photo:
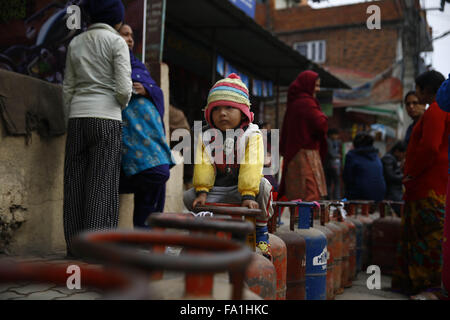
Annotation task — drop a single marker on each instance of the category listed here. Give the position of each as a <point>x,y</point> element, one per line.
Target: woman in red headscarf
<point>303,141</point>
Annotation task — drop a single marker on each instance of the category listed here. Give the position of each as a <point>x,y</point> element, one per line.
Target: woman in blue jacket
<point>363,171</point>
<point>146,155</point>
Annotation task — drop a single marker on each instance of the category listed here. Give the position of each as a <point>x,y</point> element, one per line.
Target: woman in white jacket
<point>97,86</point>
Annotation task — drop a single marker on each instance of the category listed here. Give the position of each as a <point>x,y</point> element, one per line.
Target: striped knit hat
<point>232,92</point>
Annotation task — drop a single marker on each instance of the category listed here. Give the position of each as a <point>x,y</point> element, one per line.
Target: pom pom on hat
<point>230,91</point>
<point>233,76</point>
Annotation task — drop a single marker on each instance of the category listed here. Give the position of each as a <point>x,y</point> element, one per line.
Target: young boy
<point>239,180</point>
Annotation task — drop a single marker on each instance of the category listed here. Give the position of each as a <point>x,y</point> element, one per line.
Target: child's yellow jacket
<point>250,169</point>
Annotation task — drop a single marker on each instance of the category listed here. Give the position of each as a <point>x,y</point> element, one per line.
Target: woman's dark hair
<point>399,146</point>
<point>124,23</point>
<point>410,93</point>
<point>362,139</point>
<point>430,80</point>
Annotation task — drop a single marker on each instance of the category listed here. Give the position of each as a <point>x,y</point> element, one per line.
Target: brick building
<point>379,64</point>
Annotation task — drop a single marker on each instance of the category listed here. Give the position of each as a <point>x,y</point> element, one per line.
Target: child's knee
<point>189,197</point>
<point>264,198</point>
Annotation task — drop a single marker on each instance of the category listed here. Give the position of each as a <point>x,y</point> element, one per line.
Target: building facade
<point>376,50</point>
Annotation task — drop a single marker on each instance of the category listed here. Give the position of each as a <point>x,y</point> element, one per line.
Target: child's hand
<point>201,199</point>
<point>251,204</point>
<point>139,88</point>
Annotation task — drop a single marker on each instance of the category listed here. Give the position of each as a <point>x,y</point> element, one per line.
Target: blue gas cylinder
<point>316,253</point>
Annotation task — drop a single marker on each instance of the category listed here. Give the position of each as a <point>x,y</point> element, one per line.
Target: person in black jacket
<point>363,170</point>
<point>393,172</point>
<point>332,165</point>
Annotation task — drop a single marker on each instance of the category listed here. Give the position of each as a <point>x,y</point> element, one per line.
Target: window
<point>303,49</point>
<point>313,50</point>
<point>321,56</point>
<point>284,4</point>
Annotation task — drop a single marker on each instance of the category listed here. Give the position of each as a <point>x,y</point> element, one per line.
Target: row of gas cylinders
<point>329,243</point>
<point>314,258</point>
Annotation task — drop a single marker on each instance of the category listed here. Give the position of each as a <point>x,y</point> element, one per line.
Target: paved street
<point>29,291</point>
<point>359,290</point>
<point>24,291</point>
<point>34,291</point>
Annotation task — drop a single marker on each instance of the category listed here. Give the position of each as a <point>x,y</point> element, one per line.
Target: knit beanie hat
<point>106,11</point>
<point>443,95</point>
<point>232,92</point>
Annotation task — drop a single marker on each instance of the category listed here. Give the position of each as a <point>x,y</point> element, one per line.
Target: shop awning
<point>373,91</point>
<point>389,110</point>
<point>221,27</point>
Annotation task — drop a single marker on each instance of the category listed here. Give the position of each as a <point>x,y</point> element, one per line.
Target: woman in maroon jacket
<point>303,141</point>
<point>425,180</point>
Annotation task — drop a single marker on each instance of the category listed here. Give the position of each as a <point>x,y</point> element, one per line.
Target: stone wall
<point>31,194</point>
<point>31,191</point>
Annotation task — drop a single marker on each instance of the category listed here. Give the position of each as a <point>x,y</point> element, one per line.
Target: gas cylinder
<point>338,220</point>
<point>316,252</point>
<point>385,234</point>
<point>364,217</point>
<point>296,255</point>
<point>261,276</point>
<point>279,260</point>
<point>337,256</point>
<point>331,249</point>
<point>352,253</point>
<point>199,281</point>
<point>296,265</point>
<point>351,216</point>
